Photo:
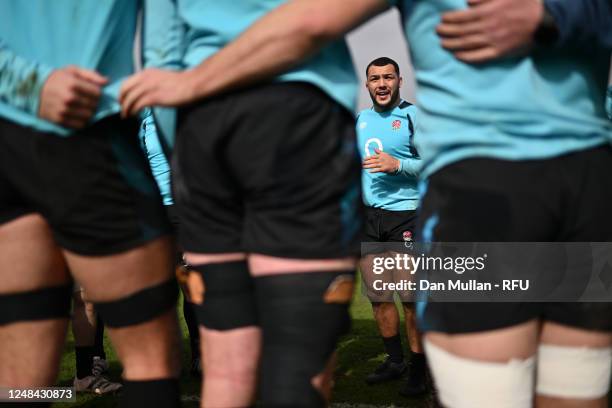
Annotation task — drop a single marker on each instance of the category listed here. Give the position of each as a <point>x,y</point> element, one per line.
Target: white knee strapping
<point>573,372</point>
<point>467,383</point>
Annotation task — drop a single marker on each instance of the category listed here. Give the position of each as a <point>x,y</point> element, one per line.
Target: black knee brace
<point>302,316</point>
<point>139,307</point>
<point>224,298</point>
<point>39,304</point>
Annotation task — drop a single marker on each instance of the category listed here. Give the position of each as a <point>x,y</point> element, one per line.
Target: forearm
<point>279,41</point>
<point>21,81</point>
<point>582,23</point>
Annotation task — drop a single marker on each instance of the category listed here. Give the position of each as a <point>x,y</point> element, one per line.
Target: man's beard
<point>393,98</point>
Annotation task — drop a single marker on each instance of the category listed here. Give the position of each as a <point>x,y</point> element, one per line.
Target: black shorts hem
<point>576,323</point>
<point>445,325</point>
<point>13,215</point>
<point>274,253</point>
<point>105,250</point>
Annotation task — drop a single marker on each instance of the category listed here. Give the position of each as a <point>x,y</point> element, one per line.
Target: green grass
<point>358,354</point>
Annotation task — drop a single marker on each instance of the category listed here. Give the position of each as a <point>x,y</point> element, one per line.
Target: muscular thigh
<point>29,257</point>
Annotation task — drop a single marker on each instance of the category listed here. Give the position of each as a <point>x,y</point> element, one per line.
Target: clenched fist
<point>70,96</point>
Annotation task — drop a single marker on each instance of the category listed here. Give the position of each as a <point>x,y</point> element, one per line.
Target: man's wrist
<point>398,167</point>
<point>195,87</point>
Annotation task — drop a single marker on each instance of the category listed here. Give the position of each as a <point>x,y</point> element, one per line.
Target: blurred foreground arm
<point>490,29</point>
<point>278,41</point>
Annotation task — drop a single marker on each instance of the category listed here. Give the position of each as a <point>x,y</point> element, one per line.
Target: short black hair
<point>381,62</point>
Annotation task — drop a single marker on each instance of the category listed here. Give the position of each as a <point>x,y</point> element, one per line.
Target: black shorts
<point>94,188</point>
<point>273,170</point>
<point>389,226</point>
<point>564,199</point>
<point>386,226</point>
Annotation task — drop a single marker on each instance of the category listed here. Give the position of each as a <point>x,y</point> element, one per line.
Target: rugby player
<point>274,240</point>
<point>569,343</point>
<point>76,191</point>
<point>385,135</point>
<point>546,122</point>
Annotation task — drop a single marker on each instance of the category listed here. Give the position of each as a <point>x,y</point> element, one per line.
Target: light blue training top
<point>392,132</point>
<point>151,145</point>
<point>538,106</point>
<point>38,36</point>
<point>212,24</point>
<point>179,34</point>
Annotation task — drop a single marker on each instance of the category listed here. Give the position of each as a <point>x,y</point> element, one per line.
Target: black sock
<point>156,393</point>
<point>417,362</point>
<point>192,328</point>
<point>393,347</point>
<point>84,361</point>
<point>99,342</point>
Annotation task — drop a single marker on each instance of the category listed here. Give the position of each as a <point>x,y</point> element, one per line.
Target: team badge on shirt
<point>396,124</point>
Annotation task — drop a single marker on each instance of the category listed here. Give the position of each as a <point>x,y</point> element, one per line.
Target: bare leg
<point>29,259</point>
<point>230,357</point>
<point>149,350</point>
<point>387,318</point>
<point>412,333</point>
<point>230,366</point>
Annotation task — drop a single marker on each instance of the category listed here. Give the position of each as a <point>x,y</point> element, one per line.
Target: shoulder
<point>406,107</point>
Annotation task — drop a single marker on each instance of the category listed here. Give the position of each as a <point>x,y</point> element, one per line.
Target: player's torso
<point>393,133</point>
<point>92,34</point>
<point>97,35</point>
<point>212,24</point>
<point>540,105</point>
<point>390,132</point>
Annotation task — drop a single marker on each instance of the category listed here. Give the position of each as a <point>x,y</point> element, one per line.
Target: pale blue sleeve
<point>21,80</point>
<point>158,161</point>
<point>409,167</point>
<point>163,39</point>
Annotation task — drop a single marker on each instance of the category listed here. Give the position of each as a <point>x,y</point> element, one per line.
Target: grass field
<point>359,353</point>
